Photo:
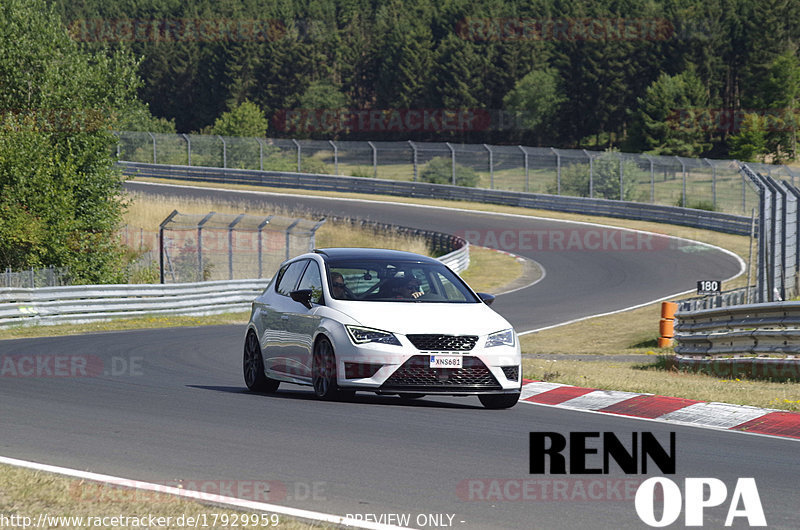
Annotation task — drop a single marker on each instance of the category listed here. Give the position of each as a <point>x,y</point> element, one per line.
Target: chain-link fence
<point>31,278</point>
<point>674,181</point>
<point>215,246</point>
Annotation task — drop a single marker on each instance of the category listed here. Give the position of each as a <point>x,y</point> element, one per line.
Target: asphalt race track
<point>169,405</point>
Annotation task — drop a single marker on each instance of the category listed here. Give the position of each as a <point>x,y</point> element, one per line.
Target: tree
<point>600,180</point>
<point>750,143</point>
<point>669,117</point>
<point>779,98</point>
<point>59,191</point>
<point>322,95</point>
<point>245,119</point>
<point>536,98</point>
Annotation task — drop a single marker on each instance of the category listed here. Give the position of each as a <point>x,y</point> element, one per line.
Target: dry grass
<point>490,271</point>
<point>644,378</point>
<point>27,493</point>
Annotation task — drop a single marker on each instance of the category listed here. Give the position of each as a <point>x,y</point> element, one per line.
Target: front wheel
<point>499,401</point>
<point>253,366</point>
<point>323,370</point>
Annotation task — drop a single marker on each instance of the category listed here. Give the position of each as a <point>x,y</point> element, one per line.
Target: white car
<point>390,322</point>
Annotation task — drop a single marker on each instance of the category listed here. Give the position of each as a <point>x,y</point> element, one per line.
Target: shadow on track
<point>358,398</point>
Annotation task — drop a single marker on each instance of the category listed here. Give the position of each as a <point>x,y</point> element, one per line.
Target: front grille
<point>431,342</point>
<point>416,373</point>
<point>512,372</point>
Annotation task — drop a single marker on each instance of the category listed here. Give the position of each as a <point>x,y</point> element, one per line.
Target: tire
<point>253,367</point>
<point>323,370</point>
<point>499,401</point>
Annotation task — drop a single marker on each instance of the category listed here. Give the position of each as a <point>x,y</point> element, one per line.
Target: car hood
<point>421,317</point>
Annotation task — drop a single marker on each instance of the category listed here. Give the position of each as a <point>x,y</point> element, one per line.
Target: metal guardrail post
<point>558,170</point>
<point>335,155</point>
<point>230,244</point>
<point>414,158</point>
<point>224,152</point>
<point>525,161</point>
<point>374,160</point>
<point>152,137</point>
<point>452,162</point>
<point>200,244</point>
<point>491,166</point>
<point>299,151</point>
<point>161,243</point>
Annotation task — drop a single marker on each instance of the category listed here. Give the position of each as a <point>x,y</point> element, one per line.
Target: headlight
<point>362,335</point>
<point>501,338</point>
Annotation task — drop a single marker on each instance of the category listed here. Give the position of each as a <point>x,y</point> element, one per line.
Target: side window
<point>289,278</point>
<point>312,280</point>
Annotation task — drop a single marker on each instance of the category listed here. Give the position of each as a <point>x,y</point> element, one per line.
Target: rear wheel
<point>253,367</point>
<point>323,370</point>
<point>499,401</point>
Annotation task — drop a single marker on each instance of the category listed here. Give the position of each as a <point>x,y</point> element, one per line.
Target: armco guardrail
<point>86,303</point>
<point>726,298</point>
<point>751,329</point>
<point>721,222</point>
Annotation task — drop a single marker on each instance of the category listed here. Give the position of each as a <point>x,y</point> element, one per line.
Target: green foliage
<point>244,119</point>
<point>750,143</point>
<point>322,95</point>
<point>604,172</point>
<point>137,117</point>
<point>58,187</point>
<point>668,118</point>
<point>440,171</point>
<point>537,98</point>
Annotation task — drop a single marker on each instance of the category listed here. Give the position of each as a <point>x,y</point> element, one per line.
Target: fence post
<point>33,279</point>
<point>652,179</point>
<point>312,241</point>
<point>374,160</point>
<point>299,151</point>
<point>558,170</point>
<point>119,141</point>
<point>224,151</point>
<point>288,233</point>
<point>621,178</point>
<point>188,148</point>
<point>200,244</point>
<point>261,226</point>
<point>414,156</point>
<point>230,245</point>
<point>452,162</point>
<point>525,159</point>
<point>161,243</point>
<point>713,182</point>
<point>591,173</point>
<point>260,154</point>
<point>154,146</point>
<point>683,172</point>
<point>335,155</point>
<point>491,166</point>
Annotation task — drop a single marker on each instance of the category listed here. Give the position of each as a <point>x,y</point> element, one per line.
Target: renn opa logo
<point>593,452</point>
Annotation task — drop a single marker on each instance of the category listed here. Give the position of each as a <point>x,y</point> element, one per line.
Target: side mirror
<point>303,296</point>
<point>486,298</point>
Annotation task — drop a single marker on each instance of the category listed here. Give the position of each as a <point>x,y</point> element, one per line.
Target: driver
<point>339,289</point>
<point>409,289</point>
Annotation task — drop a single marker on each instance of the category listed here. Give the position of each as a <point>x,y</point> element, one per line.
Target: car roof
<point>372,253</point>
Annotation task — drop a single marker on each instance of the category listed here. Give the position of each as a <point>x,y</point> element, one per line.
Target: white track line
<point>198,495</point>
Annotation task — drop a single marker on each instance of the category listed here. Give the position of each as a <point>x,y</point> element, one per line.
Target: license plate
<point>447,361</point>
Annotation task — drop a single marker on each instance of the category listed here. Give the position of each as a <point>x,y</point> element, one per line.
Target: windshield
<point>396,281</point>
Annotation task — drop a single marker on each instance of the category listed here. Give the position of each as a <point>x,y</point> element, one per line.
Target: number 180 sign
<point>709,287</point>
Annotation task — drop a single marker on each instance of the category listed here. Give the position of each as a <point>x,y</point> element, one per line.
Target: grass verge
<point>26,493</point>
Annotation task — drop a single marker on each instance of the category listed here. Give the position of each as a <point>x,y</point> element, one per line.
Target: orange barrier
<point>666,327</point>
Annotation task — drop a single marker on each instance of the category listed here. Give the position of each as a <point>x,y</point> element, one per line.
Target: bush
<point>605,178</point>
<point>440,171</point>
